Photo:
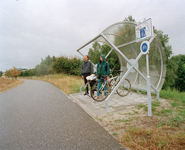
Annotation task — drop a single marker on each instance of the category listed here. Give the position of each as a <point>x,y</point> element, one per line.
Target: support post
<point>81,88</point>
<point>148,88</point>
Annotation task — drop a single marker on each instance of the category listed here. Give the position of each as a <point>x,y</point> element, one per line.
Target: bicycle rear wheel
<point>103,91</point>
<point>124,88</point>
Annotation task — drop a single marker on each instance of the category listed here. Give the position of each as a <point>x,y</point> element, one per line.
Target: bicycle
<point>106,86</point>
<point>124,88</point>
<point>91,80</point>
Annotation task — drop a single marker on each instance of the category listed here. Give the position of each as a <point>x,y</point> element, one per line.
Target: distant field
<point>7,84</point>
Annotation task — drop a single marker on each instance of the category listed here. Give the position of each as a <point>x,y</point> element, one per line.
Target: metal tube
<point>88,43</point>
<point>81,88</point>
<point>148,88</point>
<point>109,53</point>
<point>161,69</point>
<point>80,53</point>
<point>126,44</point>
<point>113,91</point>
<point>115,48</point>
<point>152,38</point>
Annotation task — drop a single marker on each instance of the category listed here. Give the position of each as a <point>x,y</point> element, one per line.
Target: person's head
<point>102,57</point>
<point>86,58</point>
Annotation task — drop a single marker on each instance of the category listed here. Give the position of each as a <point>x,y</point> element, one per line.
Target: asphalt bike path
<point>37,115</point>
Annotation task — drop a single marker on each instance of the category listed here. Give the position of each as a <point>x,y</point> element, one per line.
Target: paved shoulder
<point>37,115</point>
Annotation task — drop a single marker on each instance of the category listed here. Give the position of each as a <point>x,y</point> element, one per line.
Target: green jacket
<point>105,67</point>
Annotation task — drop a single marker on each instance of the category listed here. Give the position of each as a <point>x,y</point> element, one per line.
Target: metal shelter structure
<point>146,72</point>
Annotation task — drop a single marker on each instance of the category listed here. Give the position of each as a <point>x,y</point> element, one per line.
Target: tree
<point>65,65</point>
<point>164,41</point>
<point>171,74</point>
<point>129,18</point>
<point>14,73</point>
<point>97,49</point>
<point>7,73</point>
<point>45,66</point>
<point>95,52</point>
<point>180,82</point>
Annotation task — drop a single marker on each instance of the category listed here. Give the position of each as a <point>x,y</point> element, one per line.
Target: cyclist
<point>102,70</point>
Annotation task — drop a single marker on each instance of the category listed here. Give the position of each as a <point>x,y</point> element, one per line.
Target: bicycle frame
<point>116,80</point>
<point>103,85</point>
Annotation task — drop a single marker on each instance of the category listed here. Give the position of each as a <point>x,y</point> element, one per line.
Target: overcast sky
<point>33,29</point>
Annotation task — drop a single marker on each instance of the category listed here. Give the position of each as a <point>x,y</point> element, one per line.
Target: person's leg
<point>85,81</point>
<point>105,89</point>
<point>91,85</point>
<point>87,90</point>
<point>99,85</point>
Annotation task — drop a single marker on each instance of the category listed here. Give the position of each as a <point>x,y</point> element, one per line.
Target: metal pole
<point>148,88</point>
<point>109,53</point>
<point>115,88</point>
<point>81,89</point>
<point>88,43</point>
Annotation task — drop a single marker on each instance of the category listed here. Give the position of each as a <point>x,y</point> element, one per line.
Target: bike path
<point>37,115</point>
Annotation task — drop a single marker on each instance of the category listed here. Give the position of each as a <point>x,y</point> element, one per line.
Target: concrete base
<point>116,103</point>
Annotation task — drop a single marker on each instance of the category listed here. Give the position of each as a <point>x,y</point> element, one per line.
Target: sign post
<point>145,47</point>
<point>145,31</point>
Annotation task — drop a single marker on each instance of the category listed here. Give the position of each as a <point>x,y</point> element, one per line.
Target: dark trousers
<point>85,81</point>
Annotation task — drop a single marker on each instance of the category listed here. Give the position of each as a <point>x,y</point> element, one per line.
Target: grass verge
<point>7,84</point>
<point>67,83</point>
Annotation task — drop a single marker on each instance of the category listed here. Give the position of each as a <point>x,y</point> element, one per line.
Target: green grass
<point>182,113</point>
<point>143,106</point>
<point>173,122</point>
<point>154,105</point>
<point>122,120</point>
<point>135,112</point>
<point>174,104</point>
<point>166,112</point>
<point>173,95</point>
<point>114,133</point>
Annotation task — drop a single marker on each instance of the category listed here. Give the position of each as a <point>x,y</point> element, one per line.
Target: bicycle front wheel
<point>124,88</point>
<point>99,91</point>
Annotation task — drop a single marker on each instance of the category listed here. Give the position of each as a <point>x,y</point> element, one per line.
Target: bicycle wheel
<point>103,91</point>
<point>124,88</point>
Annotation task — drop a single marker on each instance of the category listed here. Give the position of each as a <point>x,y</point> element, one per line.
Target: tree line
<point>51,65</point>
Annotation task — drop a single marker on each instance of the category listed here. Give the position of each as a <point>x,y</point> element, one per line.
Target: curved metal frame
<point>121,56</point>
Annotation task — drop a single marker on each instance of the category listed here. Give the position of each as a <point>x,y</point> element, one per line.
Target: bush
<point>69,66</point>
<point>180,81</point>
<point>1,73</point>
<point>175,73</point>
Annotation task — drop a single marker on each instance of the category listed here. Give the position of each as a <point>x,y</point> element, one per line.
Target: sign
<point>144,30</point>
<point>145,47</point>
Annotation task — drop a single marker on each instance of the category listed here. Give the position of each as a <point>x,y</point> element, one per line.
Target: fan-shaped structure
<point>121,37</point>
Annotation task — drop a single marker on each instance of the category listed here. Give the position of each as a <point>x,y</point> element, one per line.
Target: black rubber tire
<point>94,92</point>
<point>124,91</point>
